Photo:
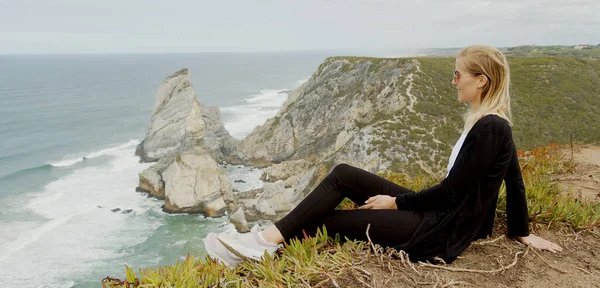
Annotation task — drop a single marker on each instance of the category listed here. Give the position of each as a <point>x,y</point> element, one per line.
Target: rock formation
<point>333,118</point>
<point>186,139</point>
<point>238,219</point>
<point>323,116</point>
<point>194,182</point>
<point>179,122</point>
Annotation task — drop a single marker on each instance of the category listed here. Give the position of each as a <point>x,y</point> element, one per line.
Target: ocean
<point>70,125</point>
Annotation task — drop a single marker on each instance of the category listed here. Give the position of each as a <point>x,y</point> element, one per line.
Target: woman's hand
<point>539,243</point>
<point>380,202</point>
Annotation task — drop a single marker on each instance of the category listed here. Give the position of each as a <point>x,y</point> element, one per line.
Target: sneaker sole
<point>214,255</point>
<point>238,253</point>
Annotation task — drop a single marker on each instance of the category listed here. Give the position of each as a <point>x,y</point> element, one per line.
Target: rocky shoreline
<point>187,140</point>
<point>328,120</point>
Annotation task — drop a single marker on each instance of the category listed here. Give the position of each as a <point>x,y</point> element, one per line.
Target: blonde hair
<point>495,97</point>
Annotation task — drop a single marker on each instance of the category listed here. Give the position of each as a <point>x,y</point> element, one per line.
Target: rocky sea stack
<point>186,139</point>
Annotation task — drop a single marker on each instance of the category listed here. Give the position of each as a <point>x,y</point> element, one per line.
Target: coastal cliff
<point>396,115</point>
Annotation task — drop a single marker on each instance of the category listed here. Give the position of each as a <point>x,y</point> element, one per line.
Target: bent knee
<point>340,168</point>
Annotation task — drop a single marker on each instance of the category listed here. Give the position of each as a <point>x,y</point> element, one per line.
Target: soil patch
<point>584,179</point>
<point>578,265</point>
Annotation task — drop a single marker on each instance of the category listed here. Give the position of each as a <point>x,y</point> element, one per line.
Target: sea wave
<point>26,171</point>
<point>300,82</point>
<point>106,151</point>
<point>77,229</point>
<point>252,111</point>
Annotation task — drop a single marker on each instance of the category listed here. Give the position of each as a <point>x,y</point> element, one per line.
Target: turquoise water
<point>56,227</point>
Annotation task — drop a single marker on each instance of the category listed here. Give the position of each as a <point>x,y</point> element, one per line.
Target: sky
<point>181,26</point>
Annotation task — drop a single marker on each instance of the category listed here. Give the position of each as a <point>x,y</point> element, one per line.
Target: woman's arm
<point>477,155</point>
<point>479,151</point>
<point>516,202</point>
<point>516,208</point>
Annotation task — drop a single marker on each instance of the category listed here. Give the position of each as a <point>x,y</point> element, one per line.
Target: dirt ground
<point>578,265</point>
<point>585,181</point>
<point>516,265</point>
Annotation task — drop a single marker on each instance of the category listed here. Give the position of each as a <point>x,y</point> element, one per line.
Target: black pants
<point>388,227</point>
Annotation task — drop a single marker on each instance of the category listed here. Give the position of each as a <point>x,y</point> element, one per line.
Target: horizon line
<point>358,50</point>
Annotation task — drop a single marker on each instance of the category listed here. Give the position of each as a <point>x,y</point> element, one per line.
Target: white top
<point>456,149</point>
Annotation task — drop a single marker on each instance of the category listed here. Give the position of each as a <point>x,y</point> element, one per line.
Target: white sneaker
<point>248,246</point>
<point>216,250</point>
<point>236,235</point>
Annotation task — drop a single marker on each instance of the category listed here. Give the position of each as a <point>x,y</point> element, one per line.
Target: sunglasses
<point>457,75</point>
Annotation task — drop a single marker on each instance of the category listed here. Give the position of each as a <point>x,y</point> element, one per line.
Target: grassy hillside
<point>589,52</point>
<point>320,260</point>
<point>553,100</point>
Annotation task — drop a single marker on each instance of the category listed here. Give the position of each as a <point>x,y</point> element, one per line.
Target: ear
<point>482,81</point>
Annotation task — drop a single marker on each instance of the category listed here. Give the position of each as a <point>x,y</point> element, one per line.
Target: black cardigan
<point>462,207</point>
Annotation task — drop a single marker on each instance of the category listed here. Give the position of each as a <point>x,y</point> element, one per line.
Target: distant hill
<point>586,51</point>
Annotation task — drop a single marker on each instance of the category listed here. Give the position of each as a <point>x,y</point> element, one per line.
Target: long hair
<point>495,97</point>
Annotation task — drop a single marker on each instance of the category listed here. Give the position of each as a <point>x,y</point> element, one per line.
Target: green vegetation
<point>275,121</point>
<point>553,99</point>
<point>310,260</point>
<point>584,51</point>
<point>319,259</point>
<point>545,201</point>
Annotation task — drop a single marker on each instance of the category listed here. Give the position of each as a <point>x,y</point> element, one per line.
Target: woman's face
<point>467,85</point>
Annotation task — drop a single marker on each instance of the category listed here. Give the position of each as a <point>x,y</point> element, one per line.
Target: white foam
<point>250,175</point>
<point>78,235</point>
<point>300,82</point>
<point>107,151</point>
<point>253,111</point>
<point>74,240</point>
<point>29,236</point>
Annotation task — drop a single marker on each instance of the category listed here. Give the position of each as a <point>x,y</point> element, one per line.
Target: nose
<point>454,81</point>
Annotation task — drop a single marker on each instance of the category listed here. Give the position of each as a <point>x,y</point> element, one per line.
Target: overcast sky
<point>172,26</point>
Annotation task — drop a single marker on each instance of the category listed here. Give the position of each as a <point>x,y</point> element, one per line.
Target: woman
<point>439,221</point>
